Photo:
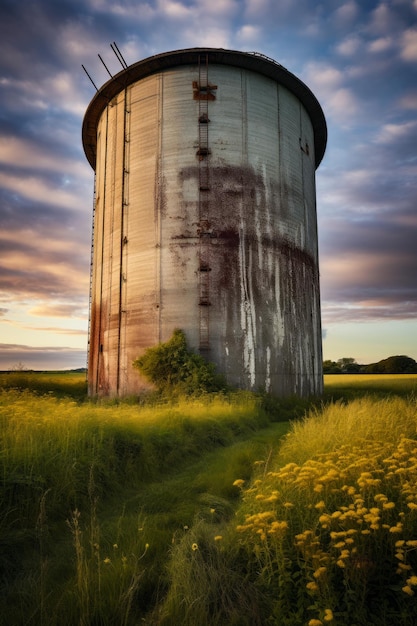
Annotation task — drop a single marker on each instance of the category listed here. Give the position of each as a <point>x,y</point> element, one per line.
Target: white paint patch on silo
<point>248,312</point>
<point>268,369</point>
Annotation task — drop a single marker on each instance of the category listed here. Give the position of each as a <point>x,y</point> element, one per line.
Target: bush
<point>175,370</point>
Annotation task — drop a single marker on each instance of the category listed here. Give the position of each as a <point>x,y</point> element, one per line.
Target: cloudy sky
<point>358,57</point>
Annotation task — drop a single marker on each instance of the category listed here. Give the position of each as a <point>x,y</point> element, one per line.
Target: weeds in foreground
<point>92,493</point>
<point>329,538</point>
<point>352,549</point>
<point>105,587</point>
<point>96,496</point>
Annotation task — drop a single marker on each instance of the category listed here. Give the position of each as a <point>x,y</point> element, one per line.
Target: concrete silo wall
<point>222,244</point>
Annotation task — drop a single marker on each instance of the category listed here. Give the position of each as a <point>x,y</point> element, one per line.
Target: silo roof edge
<point>189,56</point>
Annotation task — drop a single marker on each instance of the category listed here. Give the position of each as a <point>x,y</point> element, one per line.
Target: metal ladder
<point>203,204</point>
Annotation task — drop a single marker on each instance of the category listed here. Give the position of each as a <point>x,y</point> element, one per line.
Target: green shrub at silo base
<point>175,369</point>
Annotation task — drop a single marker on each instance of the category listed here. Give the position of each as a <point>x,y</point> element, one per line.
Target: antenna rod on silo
<point>108,71</point>
<point>93,83</point>
<point>119,55</point>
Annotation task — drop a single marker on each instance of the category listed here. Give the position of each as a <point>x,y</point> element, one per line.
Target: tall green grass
<point>60,384</point>
<point>339,423</point>
<point>92,495</point>
<point>349,386</point>
<point>199,512</point>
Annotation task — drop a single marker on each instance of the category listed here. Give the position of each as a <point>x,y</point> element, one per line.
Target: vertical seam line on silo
<point>244,157</point>
<point>278,270</point>
<point>104,204</point>
<point>126,222</point>
<point>303,340</point>
<point>158,209</point>
<point>113,156</point>
<point>121,245</point>
<point>303,154</point>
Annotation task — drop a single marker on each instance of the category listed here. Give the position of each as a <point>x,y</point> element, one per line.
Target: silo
<point>205,219</point>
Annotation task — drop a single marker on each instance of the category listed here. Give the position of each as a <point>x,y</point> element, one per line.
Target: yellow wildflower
<point>315,622</point>
<point>107,560</point>
<point>407,589</point>
<point>242,527</point>
<point>312,586</point>
<point>319,572</point>
<point>218,538</point>
<point>194,547</point>
<point>276,527</point>
<point>328,615</point>
<point>396,529</point>
<point>403,567</point>
<point>272,498</point>
<point>412,581</point>
<point>239,483</point>
<point>325,520</point>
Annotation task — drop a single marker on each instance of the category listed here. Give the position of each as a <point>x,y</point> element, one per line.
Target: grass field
<point>215,510</point>
<point>355,385</point>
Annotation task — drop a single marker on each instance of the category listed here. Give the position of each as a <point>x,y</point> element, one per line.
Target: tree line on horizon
<point>400,364</point>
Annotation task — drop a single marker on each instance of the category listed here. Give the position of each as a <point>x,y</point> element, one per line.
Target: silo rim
<point>189,56</point>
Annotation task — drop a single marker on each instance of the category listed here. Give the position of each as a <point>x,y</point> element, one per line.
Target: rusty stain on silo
<point>205,219</point>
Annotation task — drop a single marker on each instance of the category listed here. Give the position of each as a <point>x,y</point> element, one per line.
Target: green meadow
<point>232,509</point>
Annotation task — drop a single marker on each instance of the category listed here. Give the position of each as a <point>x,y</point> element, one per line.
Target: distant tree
<point>173,368</point>
<point>19,367</point>
<point>348,365</point>
<point>393,365</point>
<point>331,367</point>
<point>372,368</point>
